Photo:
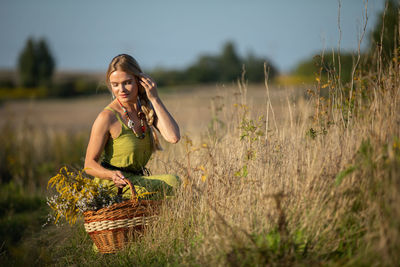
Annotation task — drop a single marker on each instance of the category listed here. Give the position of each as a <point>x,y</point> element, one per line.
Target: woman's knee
<point>168,179</point>
<point>173,180</point>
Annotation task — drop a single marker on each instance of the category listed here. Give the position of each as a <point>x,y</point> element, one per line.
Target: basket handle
<point>131,187</point>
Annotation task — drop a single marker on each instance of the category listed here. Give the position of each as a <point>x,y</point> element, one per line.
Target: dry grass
<point>300,181</point>
<point>303,190</point>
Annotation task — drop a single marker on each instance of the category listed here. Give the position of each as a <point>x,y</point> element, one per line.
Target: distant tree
<point>35,64</point>
<point>328,64</point>
<point>205,70</point>
<point>7,83</point>
<point>307,67</point>
<point>45,64</point>
<point>229,63</point>
<point>27,65</point>
<point>255,69</point>
<point>165,77</point>
<point>388,22</point>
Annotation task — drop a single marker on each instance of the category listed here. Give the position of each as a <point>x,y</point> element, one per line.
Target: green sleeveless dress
<point>132,154</point>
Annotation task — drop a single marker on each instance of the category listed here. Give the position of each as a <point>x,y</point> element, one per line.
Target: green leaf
<point>244,171</point>
<point>344,173</point>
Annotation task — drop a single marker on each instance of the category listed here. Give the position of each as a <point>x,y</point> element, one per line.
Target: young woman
<point>124,131</point>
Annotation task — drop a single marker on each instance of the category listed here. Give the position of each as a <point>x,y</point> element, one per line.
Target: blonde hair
<point>128,64</point>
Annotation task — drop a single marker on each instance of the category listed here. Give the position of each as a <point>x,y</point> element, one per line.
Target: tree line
<point>36,67</point>
<point>228,66</point>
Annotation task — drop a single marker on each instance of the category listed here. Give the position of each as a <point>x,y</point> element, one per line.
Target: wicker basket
<point>114,227</point>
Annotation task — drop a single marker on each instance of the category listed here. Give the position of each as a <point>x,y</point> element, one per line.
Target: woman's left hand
<point>165,123</point>
<point>149,85</point>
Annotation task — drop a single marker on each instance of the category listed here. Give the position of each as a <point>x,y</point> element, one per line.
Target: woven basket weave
<point>114,227</point>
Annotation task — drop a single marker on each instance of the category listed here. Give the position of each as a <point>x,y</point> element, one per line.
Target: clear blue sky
<point>85,35</point>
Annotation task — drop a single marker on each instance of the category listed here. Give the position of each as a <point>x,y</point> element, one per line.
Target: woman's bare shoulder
<point>105,118</point>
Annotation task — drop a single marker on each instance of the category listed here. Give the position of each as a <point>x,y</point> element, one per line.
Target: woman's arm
<point>165,123</point>
<point>98,138</point>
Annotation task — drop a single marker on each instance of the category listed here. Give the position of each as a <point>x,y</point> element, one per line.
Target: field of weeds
<point>271,176</point>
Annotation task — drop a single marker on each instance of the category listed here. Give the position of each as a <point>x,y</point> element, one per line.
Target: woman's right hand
<point>118,179</point>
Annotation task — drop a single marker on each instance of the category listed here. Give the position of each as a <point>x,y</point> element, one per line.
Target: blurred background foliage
<point>36,73</point>
<point>29,155</point>
<point>36,64</point>
<point>327,63</point>
<point>225,67</point>
<point>383,36</point>
<point>381,41</point>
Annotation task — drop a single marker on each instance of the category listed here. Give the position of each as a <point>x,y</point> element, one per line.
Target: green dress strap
<point>117,115</point>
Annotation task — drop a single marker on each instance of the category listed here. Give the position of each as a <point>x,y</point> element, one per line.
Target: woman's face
<point>124,86</point>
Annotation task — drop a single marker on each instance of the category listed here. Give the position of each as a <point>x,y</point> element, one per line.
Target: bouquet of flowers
<point>77,194</point>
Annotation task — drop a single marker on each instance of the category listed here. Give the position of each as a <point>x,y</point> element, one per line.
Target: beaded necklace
<point>131,124</point>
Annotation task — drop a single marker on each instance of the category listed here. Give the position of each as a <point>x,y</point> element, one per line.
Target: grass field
<point>272,177</point>
<point>190,105</point>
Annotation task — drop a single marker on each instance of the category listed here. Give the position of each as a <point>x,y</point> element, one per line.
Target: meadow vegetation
<point>315,183</point>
